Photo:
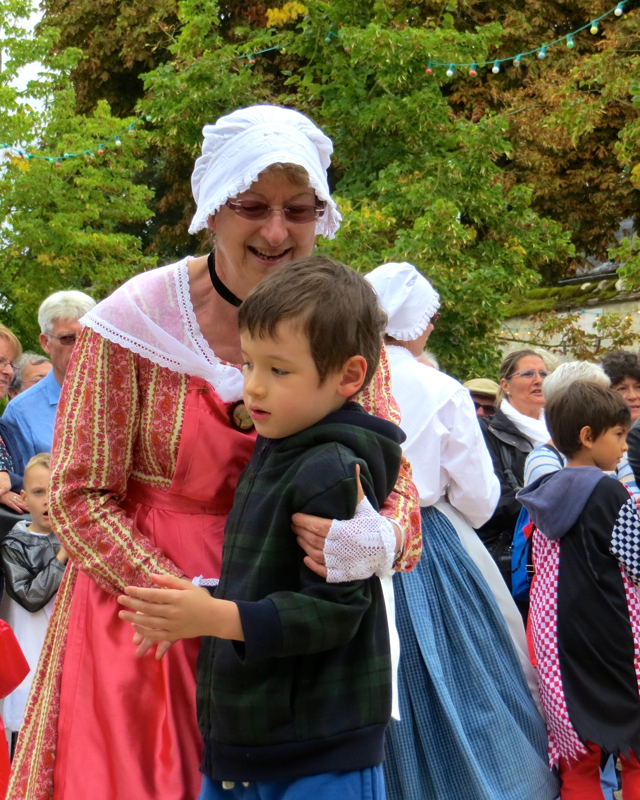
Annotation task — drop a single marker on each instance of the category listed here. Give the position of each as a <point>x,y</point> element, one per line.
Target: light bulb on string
<point>428,70</point>
<point>517,60</point>
<point>496,68</point>
<point>450,71</point>
<point>117,142</point>
<point>543,52</point>
<point>619,9</point>
<point>570,41</point>
<point>473,71</point>
<point>594,28</point>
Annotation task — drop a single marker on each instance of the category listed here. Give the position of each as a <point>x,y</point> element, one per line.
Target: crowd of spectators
<point>510,413</point>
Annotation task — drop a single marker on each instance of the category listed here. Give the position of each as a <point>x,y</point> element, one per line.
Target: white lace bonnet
<point>240,145</point>
<point>408,298</point>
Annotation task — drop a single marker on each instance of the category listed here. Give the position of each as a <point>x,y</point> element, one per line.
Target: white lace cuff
<point>355,549</point>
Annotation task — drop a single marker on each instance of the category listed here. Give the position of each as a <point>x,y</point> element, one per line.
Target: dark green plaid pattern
<point>328,667</point>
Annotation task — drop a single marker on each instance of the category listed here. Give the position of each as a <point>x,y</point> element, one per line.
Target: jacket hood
<point>374,440</point>
<point>555,501</point>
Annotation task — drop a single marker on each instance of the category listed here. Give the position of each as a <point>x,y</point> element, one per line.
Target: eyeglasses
<point>529,373</point>
<point>489,410</point>
<point>68,340</point>
<point>298,213</point>
<point>435,318</point>
<point>4,364</point>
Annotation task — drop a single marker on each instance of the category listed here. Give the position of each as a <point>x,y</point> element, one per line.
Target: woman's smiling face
<point>247,250</point>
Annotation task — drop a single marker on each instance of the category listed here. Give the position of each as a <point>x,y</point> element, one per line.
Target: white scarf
<point>152,315</point>
<point>534,429</point>
<point>240,145</point>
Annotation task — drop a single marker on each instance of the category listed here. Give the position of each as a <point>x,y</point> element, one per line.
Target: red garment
<point>155,754</point>
<point>13,670</point>
<point>580,780</point>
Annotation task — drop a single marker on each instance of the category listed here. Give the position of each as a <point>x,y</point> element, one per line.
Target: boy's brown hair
<point>583,403</point>
<point>337,308</point>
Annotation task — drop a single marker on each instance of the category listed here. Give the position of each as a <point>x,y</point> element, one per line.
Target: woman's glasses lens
<point>298,213</point>
<point>531,373</point>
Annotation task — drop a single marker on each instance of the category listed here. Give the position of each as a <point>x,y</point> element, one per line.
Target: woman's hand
<point>13,501</point>
<point>312,533</point>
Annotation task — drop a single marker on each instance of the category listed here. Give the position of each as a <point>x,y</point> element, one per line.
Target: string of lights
<point>516,60</point>
<point>472,68</point>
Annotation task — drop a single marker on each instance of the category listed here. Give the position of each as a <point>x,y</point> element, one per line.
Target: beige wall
<point>630,307</point>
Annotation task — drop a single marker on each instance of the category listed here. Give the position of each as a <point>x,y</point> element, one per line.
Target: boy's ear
<point>354,371</point>
<point>586,437</point>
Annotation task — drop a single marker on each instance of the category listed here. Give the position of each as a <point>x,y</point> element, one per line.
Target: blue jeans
<point>363,784</point>
<point>609,779</point>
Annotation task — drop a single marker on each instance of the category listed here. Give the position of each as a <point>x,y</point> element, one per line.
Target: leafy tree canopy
<point>482,183</point>
<point>71,226</point>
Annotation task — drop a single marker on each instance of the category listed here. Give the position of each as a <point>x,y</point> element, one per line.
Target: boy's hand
<point>178,610</point>
<point>143,645</point>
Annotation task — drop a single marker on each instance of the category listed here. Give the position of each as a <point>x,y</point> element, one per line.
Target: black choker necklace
<point>218,285</point>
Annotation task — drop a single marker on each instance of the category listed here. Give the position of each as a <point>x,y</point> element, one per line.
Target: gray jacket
<point>31,570</point>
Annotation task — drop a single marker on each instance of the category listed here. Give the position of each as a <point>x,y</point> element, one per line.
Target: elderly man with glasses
<point>31,415</point>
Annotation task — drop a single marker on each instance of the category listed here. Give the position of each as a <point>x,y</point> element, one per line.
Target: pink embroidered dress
<point>146,461</point>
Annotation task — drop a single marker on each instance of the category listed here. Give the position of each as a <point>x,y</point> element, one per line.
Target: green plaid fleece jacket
<point>309,690</point>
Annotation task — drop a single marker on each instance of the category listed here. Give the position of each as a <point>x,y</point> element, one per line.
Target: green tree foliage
<point>68,226</point>
<point>566,113</point>
<point>415,180</point>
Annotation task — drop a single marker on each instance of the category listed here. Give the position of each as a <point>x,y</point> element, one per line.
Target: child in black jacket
<point>585,613</point>
<point>294,693</point>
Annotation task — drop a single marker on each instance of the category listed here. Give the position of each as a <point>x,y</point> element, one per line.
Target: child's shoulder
<point>608,495</point>
<point>20,532</point>
<point>324,464</point>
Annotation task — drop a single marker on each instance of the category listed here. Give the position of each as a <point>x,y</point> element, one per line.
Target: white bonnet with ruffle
<point>408,298</point>
<point>240,145</point>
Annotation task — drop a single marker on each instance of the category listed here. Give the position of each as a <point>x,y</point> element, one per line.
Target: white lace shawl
<point>152,315</point>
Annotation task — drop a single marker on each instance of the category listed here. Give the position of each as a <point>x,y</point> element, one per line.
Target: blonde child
<point>33,562</point>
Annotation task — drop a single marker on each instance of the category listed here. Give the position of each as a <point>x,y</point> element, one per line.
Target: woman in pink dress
<point>150,441</point>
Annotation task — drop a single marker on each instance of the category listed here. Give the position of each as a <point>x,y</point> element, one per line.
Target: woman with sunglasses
<point>511,434</point>
<point>462,669</point>
<point>151,439</point>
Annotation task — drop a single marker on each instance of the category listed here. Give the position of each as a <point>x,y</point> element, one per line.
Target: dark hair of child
<point>583,404</point>
<point>619,365</point>
<point>336,307</point>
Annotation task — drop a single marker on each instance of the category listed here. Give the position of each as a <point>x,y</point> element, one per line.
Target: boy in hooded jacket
<point>585,611</point>
<point>294,673</point>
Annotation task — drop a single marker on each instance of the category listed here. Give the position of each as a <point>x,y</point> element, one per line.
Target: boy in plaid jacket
<point>294,673</point>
